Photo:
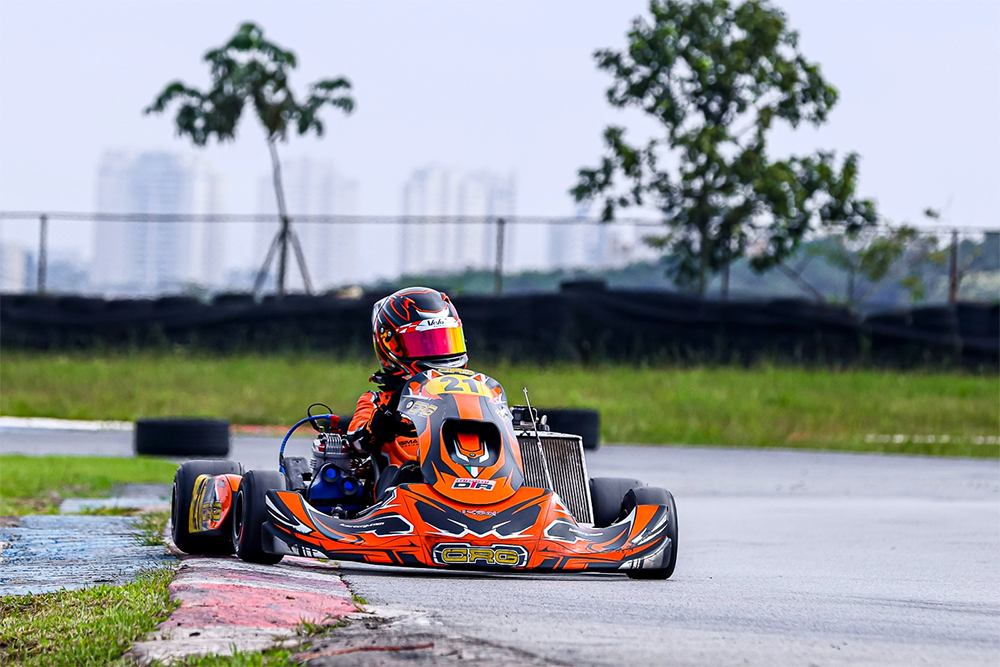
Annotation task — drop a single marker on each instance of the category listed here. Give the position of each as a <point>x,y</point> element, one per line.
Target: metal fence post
<point>953,268</point>
<point>498,271</point>
<point>43,259</point>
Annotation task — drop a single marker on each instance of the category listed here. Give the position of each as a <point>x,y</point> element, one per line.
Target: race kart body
<point>491,490</point>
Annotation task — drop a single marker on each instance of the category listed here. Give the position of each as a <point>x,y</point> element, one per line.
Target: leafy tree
<point>249,69</point>
<point>718,76</point>
<point>868,256</point>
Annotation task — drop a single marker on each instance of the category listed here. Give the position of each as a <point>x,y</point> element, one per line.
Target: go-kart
<point>492,489</point>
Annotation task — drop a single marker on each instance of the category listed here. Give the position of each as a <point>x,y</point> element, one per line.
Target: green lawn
<point>82,628</point>
<point>919,412</point>
<point>36,484</point>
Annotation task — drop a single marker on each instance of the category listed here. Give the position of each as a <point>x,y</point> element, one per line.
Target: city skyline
<point>144,257</point>
<point>444,86</point>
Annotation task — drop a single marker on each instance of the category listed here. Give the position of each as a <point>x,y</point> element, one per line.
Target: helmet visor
<point>432,338</point>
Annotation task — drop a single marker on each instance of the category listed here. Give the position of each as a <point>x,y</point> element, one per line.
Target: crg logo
<point>473,484</point>
<point>498,555</point>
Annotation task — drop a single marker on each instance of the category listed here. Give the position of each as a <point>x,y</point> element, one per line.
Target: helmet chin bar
<point>439,363</point>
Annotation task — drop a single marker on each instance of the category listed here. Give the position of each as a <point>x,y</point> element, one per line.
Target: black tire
<point>585,423</point>
<point>607,493</point>
<point>216,542</point>
<point>250,513</point>
<point>182,437</point>
<point>654,495</point>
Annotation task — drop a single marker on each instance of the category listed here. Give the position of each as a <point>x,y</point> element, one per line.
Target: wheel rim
<point>238,518</point>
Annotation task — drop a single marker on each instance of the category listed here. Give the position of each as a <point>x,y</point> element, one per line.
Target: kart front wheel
<point>653,495</point>
<point>250,513</point>
<point>209,542</point>
<point>607,494</point>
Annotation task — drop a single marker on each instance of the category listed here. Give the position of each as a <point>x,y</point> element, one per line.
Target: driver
<point>414,330</point>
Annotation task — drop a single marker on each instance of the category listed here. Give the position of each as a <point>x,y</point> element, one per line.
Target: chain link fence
<point>146,255</point>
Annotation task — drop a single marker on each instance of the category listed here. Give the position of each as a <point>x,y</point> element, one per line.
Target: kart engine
<point>334,484</point>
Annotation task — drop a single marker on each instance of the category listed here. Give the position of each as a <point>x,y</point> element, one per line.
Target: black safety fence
<point>581,323</point>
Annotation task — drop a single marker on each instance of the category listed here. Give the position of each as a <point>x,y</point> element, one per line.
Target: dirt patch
<point>10,521</point>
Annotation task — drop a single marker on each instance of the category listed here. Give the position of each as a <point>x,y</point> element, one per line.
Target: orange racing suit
<point>375,426</point>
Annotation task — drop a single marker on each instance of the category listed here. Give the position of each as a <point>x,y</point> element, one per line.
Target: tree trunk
<point>705,254</point>
<point>279,193</point>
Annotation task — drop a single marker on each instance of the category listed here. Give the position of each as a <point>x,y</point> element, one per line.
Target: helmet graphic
<point>416,329</point>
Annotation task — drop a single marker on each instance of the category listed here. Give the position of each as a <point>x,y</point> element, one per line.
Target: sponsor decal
<point>502,412</point>
<point>386,525</point>
<point>478,512</point>
<point>437,323</point>
<point>473,484</point>
<point>420,408</point>
<point>497,555</point>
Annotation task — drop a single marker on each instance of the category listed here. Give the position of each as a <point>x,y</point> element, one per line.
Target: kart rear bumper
<point>415,526</point>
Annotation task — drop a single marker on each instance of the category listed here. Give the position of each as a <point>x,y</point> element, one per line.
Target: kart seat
<point>392,476</point>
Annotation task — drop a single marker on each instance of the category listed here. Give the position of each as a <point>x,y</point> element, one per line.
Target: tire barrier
<point>207,438</point>
<point>584,423</point>
<point>580,324</point>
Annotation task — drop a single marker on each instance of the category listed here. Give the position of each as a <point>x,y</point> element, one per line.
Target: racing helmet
<point>416,329</point>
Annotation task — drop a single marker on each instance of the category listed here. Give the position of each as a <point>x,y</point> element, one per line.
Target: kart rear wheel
<point>250,513</point>
<point>607,494</point>
<point>654,495</point>
<point>216,542</point>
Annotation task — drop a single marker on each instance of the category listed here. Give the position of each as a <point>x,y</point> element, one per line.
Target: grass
<point>151,526</point>
<point>917,412</point>
<point>82,628</point>
<point>36,484</point>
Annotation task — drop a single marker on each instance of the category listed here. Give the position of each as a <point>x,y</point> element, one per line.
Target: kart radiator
<point>558,466</point>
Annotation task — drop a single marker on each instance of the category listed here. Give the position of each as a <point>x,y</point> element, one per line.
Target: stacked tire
<point>204,438</point>
<point>584,423</point>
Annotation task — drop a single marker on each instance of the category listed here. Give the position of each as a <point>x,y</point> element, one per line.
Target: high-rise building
<point>14,264</point>
<point>467,205</point>
<point>143,257</point>
<point>314,187</point>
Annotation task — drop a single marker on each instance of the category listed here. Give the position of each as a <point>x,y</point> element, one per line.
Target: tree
<point>718,77</point>
<point>249,69</point>
<point>869,255</point>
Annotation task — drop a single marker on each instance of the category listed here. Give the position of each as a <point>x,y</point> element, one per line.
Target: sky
<point>505,86</point>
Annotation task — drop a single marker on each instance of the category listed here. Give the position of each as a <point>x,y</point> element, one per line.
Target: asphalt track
<point>786,558</point>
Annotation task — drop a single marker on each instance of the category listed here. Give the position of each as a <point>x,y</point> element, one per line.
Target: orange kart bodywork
<point>416,526</point>
<point>473,509</point>
<point>470,509</point>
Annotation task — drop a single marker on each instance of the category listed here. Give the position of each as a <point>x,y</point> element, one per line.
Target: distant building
<point>141,257</point>
<point>314,187</point>
<point>14,265</point>
<point>468,204</point>
<point>597,246</point>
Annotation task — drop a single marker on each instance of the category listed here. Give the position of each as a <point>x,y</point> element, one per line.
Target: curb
<point>47,423</point>
<point>227,605</point>
<point>52,424</point>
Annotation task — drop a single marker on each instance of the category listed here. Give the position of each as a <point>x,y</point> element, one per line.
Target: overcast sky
<point>495,85</point>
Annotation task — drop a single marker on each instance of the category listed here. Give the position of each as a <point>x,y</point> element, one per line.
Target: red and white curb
<point>227,605</point>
